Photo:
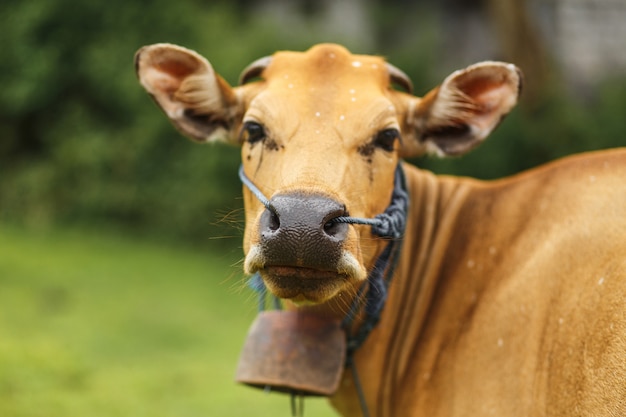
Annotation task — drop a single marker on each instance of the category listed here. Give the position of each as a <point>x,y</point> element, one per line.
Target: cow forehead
<point>327,70</point>
<point>327,60</point>
<point>324,89</point>
<point>319,109</point>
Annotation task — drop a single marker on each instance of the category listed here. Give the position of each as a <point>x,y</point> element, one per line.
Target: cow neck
<point>437,202</point>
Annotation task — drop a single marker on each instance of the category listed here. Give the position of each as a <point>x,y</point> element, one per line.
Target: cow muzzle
<point>300,252</point>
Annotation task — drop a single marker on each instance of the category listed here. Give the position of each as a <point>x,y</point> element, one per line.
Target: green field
<point>96,324</point>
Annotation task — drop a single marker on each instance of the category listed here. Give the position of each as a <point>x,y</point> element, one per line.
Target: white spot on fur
<point>352,91</point>
<point>331,55</point>
<point>254,260</point>
<point>471,263</point>
<point>303,303</point>
<point>317,114</point>
<point>601,281</point>
<point>500,342</point>
<point>561,320</point>
<point>342,117</point>
<point>375,66</point>
<point>349,266</point>
<point>290,86</point>
<point>353,99</point>
<point>356,64</point>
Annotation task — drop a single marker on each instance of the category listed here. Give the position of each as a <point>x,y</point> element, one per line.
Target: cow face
<point>321,135</point>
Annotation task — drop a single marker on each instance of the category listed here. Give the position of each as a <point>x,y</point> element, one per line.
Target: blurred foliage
<point>81,142</point>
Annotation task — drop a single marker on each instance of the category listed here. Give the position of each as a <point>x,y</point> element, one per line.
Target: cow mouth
<point>303,285</point>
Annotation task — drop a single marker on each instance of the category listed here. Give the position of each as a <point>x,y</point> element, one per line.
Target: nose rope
<point>255,190</point>
<point>389,224</point>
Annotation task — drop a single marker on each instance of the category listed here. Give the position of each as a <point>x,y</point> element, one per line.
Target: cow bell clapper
<point>293,352</point>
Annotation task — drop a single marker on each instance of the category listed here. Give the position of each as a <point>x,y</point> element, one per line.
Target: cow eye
<point>252,132</point>
<point>385,139</point>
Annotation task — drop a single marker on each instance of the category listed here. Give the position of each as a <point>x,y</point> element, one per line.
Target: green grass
<point>95,324</point>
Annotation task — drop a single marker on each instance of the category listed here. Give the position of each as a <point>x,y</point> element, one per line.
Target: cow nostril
<point>274,221</point>
<point>332,227</point>
<point>300,216</point>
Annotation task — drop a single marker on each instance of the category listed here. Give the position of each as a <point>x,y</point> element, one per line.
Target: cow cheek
<point>251,232</point>
<point>352,246</point>
<point>253,209</point>
<point>371,248</point>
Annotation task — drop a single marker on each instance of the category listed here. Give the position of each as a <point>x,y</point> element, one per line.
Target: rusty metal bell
<point>294,352</point>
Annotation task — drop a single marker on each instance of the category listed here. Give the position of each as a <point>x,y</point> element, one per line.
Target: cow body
<point>510,296</point>
<point>510,299</point>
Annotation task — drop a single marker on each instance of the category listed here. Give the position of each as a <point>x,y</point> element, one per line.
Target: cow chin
<point>303,285</point>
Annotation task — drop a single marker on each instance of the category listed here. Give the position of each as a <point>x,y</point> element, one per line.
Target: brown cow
<point>510,295</point>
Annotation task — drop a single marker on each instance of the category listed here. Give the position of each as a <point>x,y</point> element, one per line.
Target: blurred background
<point>120,283</point>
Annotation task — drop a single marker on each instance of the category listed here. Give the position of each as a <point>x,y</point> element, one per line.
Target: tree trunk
<point>522,44</point>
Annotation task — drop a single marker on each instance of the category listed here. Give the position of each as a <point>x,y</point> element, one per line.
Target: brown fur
<point>510,299</point>
<point>510,296</point>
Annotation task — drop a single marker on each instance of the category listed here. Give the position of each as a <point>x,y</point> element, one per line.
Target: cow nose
<point>298,230</point>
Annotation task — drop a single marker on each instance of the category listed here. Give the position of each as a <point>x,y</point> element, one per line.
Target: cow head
<point>321,134</point>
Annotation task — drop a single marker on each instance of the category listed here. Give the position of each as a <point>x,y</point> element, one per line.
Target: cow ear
<point>195,98</point>
<point>458,115</point>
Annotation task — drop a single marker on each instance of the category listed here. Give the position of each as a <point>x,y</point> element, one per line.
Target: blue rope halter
<point>389,224</point>
<point>373,293</point>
